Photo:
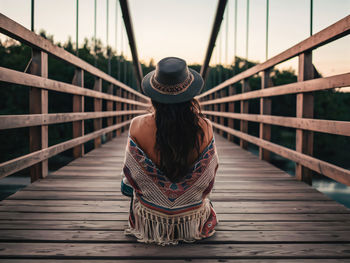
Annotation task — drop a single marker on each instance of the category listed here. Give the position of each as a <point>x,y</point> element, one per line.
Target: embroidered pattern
<point>182,207</point>
<point>172,89</point>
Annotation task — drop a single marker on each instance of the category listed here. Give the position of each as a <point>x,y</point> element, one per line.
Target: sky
<point>182,27</point>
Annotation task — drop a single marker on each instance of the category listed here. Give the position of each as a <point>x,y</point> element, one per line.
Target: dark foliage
<point>14,99</point>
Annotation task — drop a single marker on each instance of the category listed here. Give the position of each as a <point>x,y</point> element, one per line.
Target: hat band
<point>172,89</point>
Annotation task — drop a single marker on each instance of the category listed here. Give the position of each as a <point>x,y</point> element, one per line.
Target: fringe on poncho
<point>163,212</point>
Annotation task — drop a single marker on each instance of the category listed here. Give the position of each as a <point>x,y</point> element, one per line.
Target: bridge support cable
<point>107,38</point>
<point>77,29</point>
<point>116,39</point>
<point>226,42</point>
<point>132,43</point>
<point>247,34</point>
<point>311,16</point>
<point>32,17</point>
<point>95,40</point>
<point>214,33</point>
<point>235,39</point>
<point>267,30</point>
<point>304,123</point>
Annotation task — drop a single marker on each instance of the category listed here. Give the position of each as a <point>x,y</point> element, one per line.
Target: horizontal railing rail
<point>27,160</point>
<point>329,34</point>
<point>332,171</point>
<point>327,83</point>
<point>29,120</point>
<point>20,78</point>
<point>218,104</point>
<point>20,33</point>
<point>122,103</point>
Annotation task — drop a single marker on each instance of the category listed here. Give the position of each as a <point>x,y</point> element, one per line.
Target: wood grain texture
<point>25,79</point>
<point>78,214</point>
<point>22,34</point>
<point>38,104</point>
<point>25,161</point>
<point>337,81</point>
<point>265,108</point>
<point>325,126</point>
<point>335,172</point>
<point>329,34</point>
<point>78,106</point>
<point>304,140</point>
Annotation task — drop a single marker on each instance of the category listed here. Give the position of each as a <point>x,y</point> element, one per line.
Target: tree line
<point>14,99</point>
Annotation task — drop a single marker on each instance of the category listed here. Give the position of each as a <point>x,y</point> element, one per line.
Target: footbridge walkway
<point>77,213</point>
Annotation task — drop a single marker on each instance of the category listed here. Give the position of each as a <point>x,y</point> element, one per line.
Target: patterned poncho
<point>163,212</point>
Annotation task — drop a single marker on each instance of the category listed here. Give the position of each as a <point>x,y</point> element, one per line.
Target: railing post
<point>244,109</point>
<point>118,108</point>
<point>97,108</point>
<point>216,108</point>
<point>123,118</point>
<point>231,108</point>
<point>38,104</point>
<point>265,108</point>
<point>114,106</point>
<point>304,109</point>
<point>222,109</point>
<point>78,106</point>
<point>131,106</point>
<point>109,106</point>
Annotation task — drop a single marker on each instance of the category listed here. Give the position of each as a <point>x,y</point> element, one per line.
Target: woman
<point>171,160</point>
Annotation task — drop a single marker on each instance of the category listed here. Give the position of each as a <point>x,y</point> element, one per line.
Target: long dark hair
<point>178,135</point>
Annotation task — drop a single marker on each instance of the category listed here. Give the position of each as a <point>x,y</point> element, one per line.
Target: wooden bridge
<point>77,213</point>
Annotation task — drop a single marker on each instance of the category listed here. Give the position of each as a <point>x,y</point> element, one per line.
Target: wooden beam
<point>325,126</point>
<point>78,106</point>
<point>97,107</point>
<point>109,108</point>
<point>123,107</point>
<point>304,108</point>
<point>119,108</point>
<point>329,34</point>
<point>244,109</point>
<point>25,161</point>
<point>337,81</point>
<point>20,78</point>
<point>212,97</point>
<point>223,94</point>
<point>231,108</point>
<point>216,108</point>
<point>22,34</point>
<point>265,108</point>
<point>332,171</point>
<point>28,120</point>
<point>38,104</point>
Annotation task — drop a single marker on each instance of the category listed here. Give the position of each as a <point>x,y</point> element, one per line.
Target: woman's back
<point>143,131</point>
<point>171,160</point>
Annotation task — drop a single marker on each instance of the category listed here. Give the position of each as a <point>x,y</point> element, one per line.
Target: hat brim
<point>193,90</point>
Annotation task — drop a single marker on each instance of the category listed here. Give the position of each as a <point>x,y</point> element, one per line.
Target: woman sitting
<point>170,160</point>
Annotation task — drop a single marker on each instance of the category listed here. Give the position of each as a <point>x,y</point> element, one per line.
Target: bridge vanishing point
<point>77,213</point>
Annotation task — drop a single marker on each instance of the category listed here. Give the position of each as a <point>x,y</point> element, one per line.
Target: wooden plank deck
<point>77,214</point>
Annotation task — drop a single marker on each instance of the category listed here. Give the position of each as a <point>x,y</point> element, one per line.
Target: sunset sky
<point>182,27</point>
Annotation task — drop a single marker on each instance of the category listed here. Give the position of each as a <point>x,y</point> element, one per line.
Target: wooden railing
<point>122,103</point>
<point>218,104</point>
